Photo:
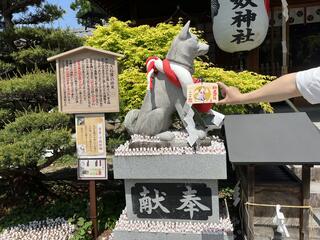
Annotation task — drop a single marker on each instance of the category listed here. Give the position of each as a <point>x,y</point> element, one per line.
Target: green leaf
<point>87,225</point>
<point>80,221</point>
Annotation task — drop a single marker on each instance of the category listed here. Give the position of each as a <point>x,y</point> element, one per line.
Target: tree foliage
<point>33,90</point>
<point>5,116</point>
<point>88,13</point>
<point>32,142</point>
<point>138,43</point>
<point>23,143</point>
<point>28,131</point>
<point>42,12</point>
<point>25,49</point>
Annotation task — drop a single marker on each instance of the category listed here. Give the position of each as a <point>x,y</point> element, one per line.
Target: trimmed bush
<point>245,81</point>
<point>5,116</point>
<point>32,90</point>
<point>28,150</point>
<point>24,142</point>
<point>29,122</point>
<point>33,57</point>
<point>5,68</point>
<point>26,49</point>
<point>138,43</point>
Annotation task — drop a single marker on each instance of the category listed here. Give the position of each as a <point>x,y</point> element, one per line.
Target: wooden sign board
<point>87,81</point>
<point>90,135</point>
<point>92,169</point>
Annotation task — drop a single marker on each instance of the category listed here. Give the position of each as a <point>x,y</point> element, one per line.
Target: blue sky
<point>69,18</point>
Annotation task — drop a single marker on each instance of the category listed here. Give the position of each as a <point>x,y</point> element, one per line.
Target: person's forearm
<point>278,90</point>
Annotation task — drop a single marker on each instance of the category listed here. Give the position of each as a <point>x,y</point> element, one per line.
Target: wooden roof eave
<point>80,49</point>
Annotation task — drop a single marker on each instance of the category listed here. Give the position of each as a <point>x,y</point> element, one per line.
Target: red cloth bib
<point>205,107</point>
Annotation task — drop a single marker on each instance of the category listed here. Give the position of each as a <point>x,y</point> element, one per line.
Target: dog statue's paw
<point>194,135</point>
<point>166,136</point>
<point>201,134</point>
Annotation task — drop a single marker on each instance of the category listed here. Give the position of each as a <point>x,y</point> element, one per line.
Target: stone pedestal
<point>171,197</point>
<point>169,236</point>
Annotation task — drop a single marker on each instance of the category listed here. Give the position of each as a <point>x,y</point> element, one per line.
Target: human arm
<point>278,90</point>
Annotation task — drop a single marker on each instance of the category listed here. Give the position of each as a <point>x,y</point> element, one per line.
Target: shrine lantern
<point>239,25</point>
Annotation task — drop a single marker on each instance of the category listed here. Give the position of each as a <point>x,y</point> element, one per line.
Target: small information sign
<point>92,169</point>
<point>202,93</point>
<point>90,135</point>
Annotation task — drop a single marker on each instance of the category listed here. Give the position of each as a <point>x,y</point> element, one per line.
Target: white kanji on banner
<point>239,25</point>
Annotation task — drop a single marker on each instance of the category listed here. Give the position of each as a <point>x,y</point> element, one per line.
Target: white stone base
<point>126,229</point>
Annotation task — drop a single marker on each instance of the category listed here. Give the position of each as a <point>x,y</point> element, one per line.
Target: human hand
<point>231,95</point>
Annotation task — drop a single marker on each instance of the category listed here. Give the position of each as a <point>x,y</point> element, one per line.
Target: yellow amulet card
<point>202,93</point>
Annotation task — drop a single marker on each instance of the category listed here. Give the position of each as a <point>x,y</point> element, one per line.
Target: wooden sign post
<point>87,80</point>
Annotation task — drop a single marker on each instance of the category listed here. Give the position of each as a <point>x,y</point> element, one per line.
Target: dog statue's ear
<point>184,34</point>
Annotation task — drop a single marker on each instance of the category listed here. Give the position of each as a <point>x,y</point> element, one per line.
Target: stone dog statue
<point>166,95</point>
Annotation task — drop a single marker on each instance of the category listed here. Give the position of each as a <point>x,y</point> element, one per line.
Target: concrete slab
<point>127,229</point>
<point>124,235</point>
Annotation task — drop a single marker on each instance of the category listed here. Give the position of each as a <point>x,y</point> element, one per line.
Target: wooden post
<point>251,184</point>
<point>304,214</point>
<point>93,208</point>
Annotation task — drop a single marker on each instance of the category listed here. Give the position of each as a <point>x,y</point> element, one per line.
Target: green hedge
<point>32,90</point>
<point>29,122</point>
<point>5,116</point>
<point>25,49</point>
<point>5,67</point>
<point>138,43</point>
<point>28,150</point>
<point>246,81</point>
<point>24,141</point>
<point>33,57</point>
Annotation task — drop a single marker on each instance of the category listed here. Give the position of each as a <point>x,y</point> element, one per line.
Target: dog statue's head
<point>185,48</point>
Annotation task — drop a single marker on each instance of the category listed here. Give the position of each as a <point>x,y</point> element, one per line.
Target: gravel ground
<point>49,229</point>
